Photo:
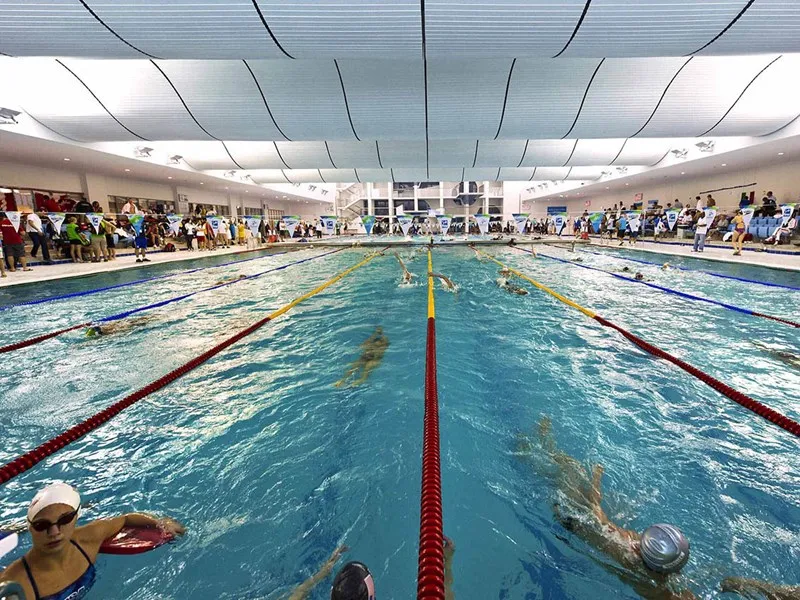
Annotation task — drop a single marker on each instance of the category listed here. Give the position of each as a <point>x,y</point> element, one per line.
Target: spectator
<point>96,208</point>
<point>140,245</point>
<point>83,206</point>
<point>130,208</point>
<point>99,244</point>
<point>109,228</point>
<point>74,239</point>
<point>701,229</point>
<point>784,230</point>
<point>678,204</point>
<point>698,203</point>
<point>710,202</point>
<point>189,230</point>
<point>772,199</point>
<point>33,225</point>
<point>13,245</point>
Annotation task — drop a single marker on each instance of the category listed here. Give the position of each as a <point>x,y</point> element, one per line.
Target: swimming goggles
<point>43,524</point>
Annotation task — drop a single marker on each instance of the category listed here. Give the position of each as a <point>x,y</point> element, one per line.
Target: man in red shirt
<point>13,245</point>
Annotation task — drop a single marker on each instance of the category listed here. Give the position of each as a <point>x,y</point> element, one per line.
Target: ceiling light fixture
<point>627,184</point>
<point>142,152</point>
<point>705,146</point>
<point>170,177</point>
<point>127,170</point>
<point>724,164</point>
<point>8,116</point>
<point>683,172</point>
<point>780,153</point>
<point>175,159</point>
<point>230,174</point>
<point>66,159</point>
<point>680,153</point>
<point>201,183</point>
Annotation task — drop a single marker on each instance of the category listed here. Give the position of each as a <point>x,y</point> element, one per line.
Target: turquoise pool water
<point>271,467</point>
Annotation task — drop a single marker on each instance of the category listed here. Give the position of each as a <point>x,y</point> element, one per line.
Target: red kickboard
<point>135,540</point>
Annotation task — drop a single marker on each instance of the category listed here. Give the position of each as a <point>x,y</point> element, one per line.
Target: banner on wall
<point>560,221</point>
<point>329,222</point>
<point>95,219</point>
<point>711,214</point>
<point>747,215</point>
<point>483,223</point>
<point>368,221</point>
<point>15,217</point>
<point>596,219</point>
<point>405,222</point>
<point>253,223</point>
<point>215,223</point>
<point>291,222</point>
<point>174,223</point>
<point>57,219</point>
<point>786,212</point>
<point>672,217</point>
<point>520,219</point>
<point>634,219</point>
<point>444,222</point>
<point>137,221</point>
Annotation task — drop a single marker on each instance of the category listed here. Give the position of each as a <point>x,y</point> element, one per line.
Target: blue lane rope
<point>128,313</point>
<point>122,285</point>
<point>647,262</point>
<point>738,309</point>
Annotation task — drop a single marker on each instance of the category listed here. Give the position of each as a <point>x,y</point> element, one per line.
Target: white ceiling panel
<point>498,153</point>
<point>401,174</point>
<point>584,173</point>
<point>256,155</point>
<point>386,98</point>
<point>345,28</point>
<point>305,98</point>
<point>451,153</point>
<point>645,151</point>
<point>303,175</point>
<point>403,154</point>
<point>374,174</point>
<point>768,104</point>
<point>766,26</point>
<point>499,29</point>
<point>651,27</point>
<point>304,155</point>
<point>445,175</point>
<point>595,152</point>
<point>516,173</point>
<point>223,97</point>
<point>544,97</point>
<point>355,154</point>
<point>551,173</point>
<point>338,175</point>
<point>701,94</point>
<point>56,28</point>
<point>189,28</point>
<point>268,176</point>
<point>139,96</point>
<point>465,97</point>
<point>200,155</point>
<point>76,114</point>
<point>484,174</point>
<point>623,95</point>
<point>547,153</point>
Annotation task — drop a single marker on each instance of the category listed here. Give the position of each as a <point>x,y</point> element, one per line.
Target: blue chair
<point>752,230</point>
<point>763,232</point>
<point>730,227</point>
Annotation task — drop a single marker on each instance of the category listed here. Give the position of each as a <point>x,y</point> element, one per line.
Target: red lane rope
<point>785,321</point>
<point>430,574</point>
<point>40,338</point>
<point>754,405</point>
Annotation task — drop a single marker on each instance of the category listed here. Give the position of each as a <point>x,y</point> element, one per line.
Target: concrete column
<point>232,207</point>
<point>486,197</point>
<point>441,196</point>
<point>370,202</point>
<point>416,198</point>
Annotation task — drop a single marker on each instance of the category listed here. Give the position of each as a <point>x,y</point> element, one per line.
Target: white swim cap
<point>55,493</point>
<point>664,548</point>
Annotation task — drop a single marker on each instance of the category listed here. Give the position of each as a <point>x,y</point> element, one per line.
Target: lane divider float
<point>755,406</point>
<point>30,459</point>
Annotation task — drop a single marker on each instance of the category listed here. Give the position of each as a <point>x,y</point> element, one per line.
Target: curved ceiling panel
<point>595,152</point>
<point>498,153</point>
<point>585,173</point>
<point>544,97</point>
<point>451,153</point>
<point>765,106</point>
<point>338,175</point>
<point>403,154</point>
<point>466,97</point>
<point>386,98</point>
<point>547,152</point>
<point>303,175</point>
<point>505,28</point>
<point>516,173</point>
<point>355,154</point>
<point>139,96</point>
<point>304,155</point>
<point>551,173</point>
<point>57,28</point>
<point>623,95</point>
<point>189,28</point>
<point>444,175</point>
<point>374,174</point>
<point>484,174</point>
<point>402,174</point>
<point>305,98</point>
<point>268,176</point>
<point>702,93</point>
<point>77,114</point>
<point>651,27</point>
<point>256,155</point>
<point>200,155</point>
<point>223,97</point>
<point>644,151</point>
<point>345,28</point>
<point>767,26</point>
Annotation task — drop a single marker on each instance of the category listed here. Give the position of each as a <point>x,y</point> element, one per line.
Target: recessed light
<point>724,164</point>
<point>127,170</point>
<point>779,154</point>
<point>67,159</point>
<point>170,177</point>
<point>608,188</point>
<point>683,172</point>
<point>627,184</point>
<point>226,187</point>
<point>201,183</point>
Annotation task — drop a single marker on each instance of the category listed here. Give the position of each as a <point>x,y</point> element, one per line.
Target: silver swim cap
<point>664,548</point>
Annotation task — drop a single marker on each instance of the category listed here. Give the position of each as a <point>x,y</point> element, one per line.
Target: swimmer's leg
<point>347,375</point>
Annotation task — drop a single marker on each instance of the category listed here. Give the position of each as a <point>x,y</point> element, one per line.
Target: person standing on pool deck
<point>701,229</point>
<point>61,564</point>
<point>140,245</point>
<point>647,559</point>
<point>738,232</point>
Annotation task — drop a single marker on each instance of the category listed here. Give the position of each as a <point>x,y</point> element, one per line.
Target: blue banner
<point>136,221</point>
<point>369,222</point>
<point>329,222</point>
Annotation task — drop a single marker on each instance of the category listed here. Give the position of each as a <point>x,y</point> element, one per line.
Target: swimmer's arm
<point>302,591</point>
<point>103,529</point>
<point>449,551</point>
<point>753,588</point>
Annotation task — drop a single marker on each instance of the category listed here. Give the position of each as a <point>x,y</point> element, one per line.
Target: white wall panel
<point>499,153</point>
<point>354,154</point>
<point>305,97</point>
<point>595,152</point>
<point>547,153</point>
<point>544,97</point>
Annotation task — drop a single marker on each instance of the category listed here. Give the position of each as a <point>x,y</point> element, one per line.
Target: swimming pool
<point>271,467</point>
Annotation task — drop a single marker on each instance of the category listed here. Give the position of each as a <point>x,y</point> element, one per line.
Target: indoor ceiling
<point>345,91</point>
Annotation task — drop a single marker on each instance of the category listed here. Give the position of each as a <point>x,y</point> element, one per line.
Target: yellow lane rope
<point>431,307</point>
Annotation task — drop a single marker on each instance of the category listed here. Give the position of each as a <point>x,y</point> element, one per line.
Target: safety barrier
<point>711,273</point>
<point>137,282</point>
<point>662,288</point>
<point>41,338</point>
<point>430,573</point>
<point>34,457</point>
<point>760,409</point>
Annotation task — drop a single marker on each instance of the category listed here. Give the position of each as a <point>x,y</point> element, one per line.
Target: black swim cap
<point>353,582</point>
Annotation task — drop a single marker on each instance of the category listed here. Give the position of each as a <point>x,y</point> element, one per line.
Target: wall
<point>27,177</point>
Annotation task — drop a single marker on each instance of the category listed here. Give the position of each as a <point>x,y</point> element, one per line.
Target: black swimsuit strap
<point>86,556</point>
<point>30,576</point>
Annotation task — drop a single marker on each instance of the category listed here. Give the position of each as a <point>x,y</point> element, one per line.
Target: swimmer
<point>789,358</point>
<point>61,563</point>
<point>448,285</point>
<point>666,266</point>
<point>503,283</point>
<point>647,559</point>
<point>626,269</point>
<point>372,355</point>
<point>752,588</point>
<point>408,276</point>
<point>302,591</point>
<point>111,328</point>
<point>225,280</point>
<point>577,259</point>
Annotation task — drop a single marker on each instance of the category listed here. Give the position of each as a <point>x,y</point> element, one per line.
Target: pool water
<point>271,467</point>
